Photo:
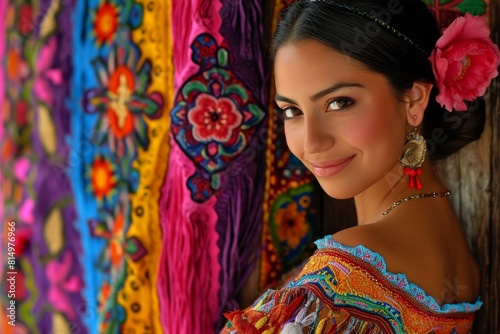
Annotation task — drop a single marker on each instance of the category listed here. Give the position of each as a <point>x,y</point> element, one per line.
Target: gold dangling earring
<point>413,157</point>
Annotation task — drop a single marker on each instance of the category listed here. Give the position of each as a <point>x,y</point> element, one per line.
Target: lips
<point>329,168</point>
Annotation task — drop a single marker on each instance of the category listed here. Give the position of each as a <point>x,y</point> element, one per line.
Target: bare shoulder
<point>381,238</point>
<point>371,236</point>
<point>427,255</point>
<point>394,242</point>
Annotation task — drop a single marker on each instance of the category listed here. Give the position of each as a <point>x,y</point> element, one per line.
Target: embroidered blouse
<point>349,290</point>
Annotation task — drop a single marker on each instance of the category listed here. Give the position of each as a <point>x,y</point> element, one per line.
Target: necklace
<point>409,198</point>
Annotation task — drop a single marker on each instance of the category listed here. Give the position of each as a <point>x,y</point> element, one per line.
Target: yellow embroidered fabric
<point>139,295</point>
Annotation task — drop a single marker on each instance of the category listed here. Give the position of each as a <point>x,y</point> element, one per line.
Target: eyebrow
<point>322,93</point>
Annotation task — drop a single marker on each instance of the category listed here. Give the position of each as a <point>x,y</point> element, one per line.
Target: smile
<point>330,168</point>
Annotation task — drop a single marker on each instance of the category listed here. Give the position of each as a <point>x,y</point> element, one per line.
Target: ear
<point>417,100</point>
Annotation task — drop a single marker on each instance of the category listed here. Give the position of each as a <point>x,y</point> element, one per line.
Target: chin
<point>337,191</point>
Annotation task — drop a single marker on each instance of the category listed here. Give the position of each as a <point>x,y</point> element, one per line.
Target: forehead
<point>311,64</point>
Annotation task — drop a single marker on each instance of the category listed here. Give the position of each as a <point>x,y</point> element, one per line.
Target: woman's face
<point>342,121</point>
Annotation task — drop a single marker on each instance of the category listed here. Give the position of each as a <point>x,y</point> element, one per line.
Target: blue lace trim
<point>399,280</point>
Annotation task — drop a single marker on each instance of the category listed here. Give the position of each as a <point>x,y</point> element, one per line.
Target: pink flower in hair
<point>464,62</point>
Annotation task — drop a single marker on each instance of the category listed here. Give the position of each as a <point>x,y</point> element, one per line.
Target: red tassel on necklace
<point>414,181</point>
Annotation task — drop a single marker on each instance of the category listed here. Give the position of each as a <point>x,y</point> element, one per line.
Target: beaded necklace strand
<point>409,198</point>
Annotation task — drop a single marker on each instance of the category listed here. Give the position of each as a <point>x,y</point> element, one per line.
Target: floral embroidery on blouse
<point>349,290</point>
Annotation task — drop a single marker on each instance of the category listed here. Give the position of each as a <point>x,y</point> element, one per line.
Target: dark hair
<point>342,27</point>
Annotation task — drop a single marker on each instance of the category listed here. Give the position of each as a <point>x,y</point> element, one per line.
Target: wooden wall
<point>472,176</point>
<point>485,217</point>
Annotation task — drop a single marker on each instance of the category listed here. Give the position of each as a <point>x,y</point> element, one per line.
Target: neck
<point>371,203</point>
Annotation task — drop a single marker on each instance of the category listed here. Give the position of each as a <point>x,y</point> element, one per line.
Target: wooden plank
<point>493,294</point>
<point>472,175</point>
<point>467,174</point>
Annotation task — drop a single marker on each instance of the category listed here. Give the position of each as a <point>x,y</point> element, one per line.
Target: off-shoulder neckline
<point>398,279</point>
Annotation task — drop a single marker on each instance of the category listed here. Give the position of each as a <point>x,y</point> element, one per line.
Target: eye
<point>287,113</point>
<point>340,104</point>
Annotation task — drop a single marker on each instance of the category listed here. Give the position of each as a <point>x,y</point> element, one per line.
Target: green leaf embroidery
<point>475,7</point>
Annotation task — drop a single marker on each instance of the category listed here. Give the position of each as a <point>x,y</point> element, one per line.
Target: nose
<point>318,134</point>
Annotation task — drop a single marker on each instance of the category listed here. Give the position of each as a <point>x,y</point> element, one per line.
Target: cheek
<point>379,136</point>
<point>294,139</point>
<point>363,132</point>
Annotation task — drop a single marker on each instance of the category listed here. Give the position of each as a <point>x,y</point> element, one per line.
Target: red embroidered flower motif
<point>26,20</point>
<point>103,178</point>
<point>122,100</point>
<point>214,119</point>
<point>22,110</point>
<point>121,87</point>
<point>464,62</point>
<point>106,22</point>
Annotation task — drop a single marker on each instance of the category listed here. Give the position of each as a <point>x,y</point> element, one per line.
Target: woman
<point>359,85</point>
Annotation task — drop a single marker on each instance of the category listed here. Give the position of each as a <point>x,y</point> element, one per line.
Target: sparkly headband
<point>377,20</point>
<point>464,61</point>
